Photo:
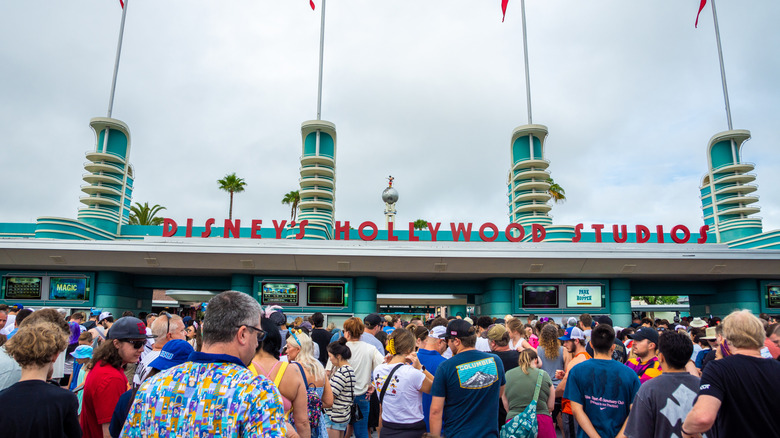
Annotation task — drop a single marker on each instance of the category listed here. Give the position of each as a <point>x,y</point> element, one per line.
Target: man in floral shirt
<point>213,394</point>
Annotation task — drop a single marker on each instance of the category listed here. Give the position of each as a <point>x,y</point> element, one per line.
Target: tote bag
<point>524,424</point>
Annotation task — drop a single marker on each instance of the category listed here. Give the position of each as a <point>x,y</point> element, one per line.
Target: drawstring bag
<point>313,406</point>
<point>524,424</point>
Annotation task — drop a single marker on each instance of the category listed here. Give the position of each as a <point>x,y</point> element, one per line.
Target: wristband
<point>684,432</point>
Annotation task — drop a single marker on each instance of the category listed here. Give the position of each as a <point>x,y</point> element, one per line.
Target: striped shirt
<point>342,383</point>
<point>645,371</point>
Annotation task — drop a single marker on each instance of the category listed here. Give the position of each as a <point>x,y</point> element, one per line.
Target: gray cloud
<point>428,93</point>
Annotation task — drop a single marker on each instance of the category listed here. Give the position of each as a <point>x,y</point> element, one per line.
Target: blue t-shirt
<point>389,329</point>
<point>430,360</point>
<point>605,389</point>
<point>470,383</point>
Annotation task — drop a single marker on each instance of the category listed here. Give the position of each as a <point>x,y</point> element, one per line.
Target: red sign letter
<point>169,227</point>
<point>232,227</point>
<point>465,231</point>
<point>342,230</point>
<point>577,233</point>
<point>539,233</point>
<point>256,225</point>
<point>703,234</point>
<point>188,233</point>
<point>390,236</point>
<point>642,234</point>
<point>492,227</point>
<point>207,231</point>
<point>412,237</point>
<point>279,228</point>
<point>371,225</point>
<point>302,229</point>
<point>597,228</point>
<point>659,229</point>
<point>616,234</point>
<point>434,230</point>
<point>686,234</point>
<point>510,228</point>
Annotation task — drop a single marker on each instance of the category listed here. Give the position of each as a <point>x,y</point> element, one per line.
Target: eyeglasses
<point>260,333</point>
<point>135,343</point>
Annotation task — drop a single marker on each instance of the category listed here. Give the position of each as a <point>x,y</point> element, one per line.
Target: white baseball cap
<point>438,332</point>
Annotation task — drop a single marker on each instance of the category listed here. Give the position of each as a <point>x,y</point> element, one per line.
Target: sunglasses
<point>167,320</point>
<point>136,343</point>
<point>260,333</point>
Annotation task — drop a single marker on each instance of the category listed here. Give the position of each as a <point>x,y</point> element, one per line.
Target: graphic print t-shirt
<point>470,383</point>
<point>605,389</point>
<point>402,402</point>
<point>661,405</point>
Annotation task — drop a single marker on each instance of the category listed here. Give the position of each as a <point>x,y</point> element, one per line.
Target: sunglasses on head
<point>137,343</point>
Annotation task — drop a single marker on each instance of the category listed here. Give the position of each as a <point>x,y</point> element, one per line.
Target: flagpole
<point>722,68</point>
<point>322,46</point>
<point>116,61</point>
<point>525,52</point>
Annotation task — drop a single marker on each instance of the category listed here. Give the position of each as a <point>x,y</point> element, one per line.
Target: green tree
<point>658,300</point>
<point>145,215</point>
<point>420,224</point>
<point>556,191</point>
<point>292,199</point>
<point>232,184</point>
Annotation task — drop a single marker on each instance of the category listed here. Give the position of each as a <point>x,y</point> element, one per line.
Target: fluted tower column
<point>318,180</point>
<point>727,197</point>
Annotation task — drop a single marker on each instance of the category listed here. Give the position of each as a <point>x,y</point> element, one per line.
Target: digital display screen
<point>68,288</point>
<point>541,297</point>
<point>773,299</point>
<point>326,295</point>
<point>283,294</point>
<point>583,296</point>
<point>22,288</point>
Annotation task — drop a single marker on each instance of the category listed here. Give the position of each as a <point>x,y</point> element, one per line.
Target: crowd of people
<point>243,371</point>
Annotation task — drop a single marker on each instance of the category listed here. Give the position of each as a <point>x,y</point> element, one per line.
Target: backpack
<point>313,405</point>
<point>524,424</point>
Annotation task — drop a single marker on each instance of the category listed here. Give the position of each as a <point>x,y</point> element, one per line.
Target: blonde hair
<point>527,357</point>
<point>34,345</point>
<point>743,330</point>
<point>306,355</point>
<point>516,326</point>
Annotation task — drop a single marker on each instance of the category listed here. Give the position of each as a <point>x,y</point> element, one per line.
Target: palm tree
<point>145,215</point>
<point>233,184</point>
<point>292,198</point>
<point>420,224</point>
<point>557,192</point>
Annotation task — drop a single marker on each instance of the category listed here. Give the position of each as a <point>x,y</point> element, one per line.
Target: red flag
<point>122,4</point>
<point>701,6</point>
<point>311,2</point>
<point>506,2</point>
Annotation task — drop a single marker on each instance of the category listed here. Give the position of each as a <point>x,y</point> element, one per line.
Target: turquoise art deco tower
<point>108,189</point>
<point>528,177</point>
<point>318,180</point>
<point>109,179</point>
<point>727,197</point>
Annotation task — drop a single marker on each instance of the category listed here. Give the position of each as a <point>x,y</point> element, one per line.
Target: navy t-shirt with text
<point>605,389</point>
<point>470,383</point>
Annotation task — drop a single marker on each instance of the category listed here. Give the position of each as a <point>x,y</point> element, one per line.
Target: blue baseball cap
<point>572,333</point>
<point>175,352</point>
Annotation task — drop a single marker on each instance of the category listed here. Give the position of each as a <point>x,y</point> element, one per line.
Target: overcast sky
<point>426,91</point>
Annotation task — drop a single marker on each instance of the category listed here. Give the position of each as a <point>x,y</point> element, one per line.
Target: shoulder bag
<point>524,424</point>
<point>355,414</point>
